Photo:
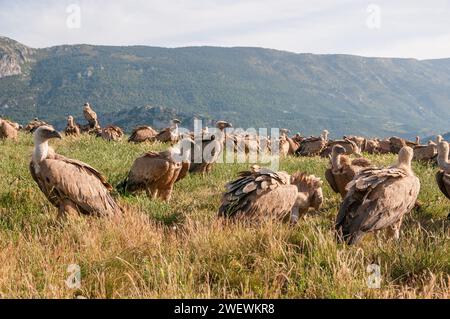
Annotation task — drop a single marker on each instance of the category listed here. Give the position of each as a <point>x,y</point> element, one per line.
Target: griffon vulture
<point>111,133</point>
<point>425,153</point>
<point>34,124</point>
<point>349,146</point>
<point>157,172</point>
<point>7,130</point>
<point>90,116</point>
<point>313,145</point>
<point>70,185</point>
<point>263,193</point>
<point>206,151</point>
<point>378,198</point>
<point>443,176</point>
<point>169,134</point>
<point>343,170</point>
<point>141,134</point>
<point>71,128</point>
<point>359,140</point>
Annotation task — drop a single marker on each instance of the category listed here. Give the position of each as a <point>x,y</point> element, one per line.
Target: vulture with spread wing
<point>263,193</point>
<point>343,170</point>
<point>378,198</point>
<point>70,185</point>
<point>142,134</point>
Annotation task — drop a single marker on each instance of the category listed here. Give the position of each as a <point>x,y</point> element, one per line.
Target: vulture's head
<point>338,150</point>
<point>405,156</point>
<point>439,139</point>
<point>44,133</point>
<point>311,185</point>
<point>221,125</point>
<point>176,121</point>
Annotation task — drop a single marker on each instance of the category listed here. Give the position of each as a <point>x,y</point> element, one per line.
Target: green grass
<point>180,249</point>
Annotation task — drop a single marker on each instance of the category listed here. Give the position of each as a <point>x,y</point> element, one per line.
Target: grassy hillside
<point>181,250</point>
<point>251,87</point>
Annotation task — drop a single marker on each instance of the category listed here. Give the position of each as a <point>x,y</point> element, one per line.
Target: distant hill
<point>250,87</point>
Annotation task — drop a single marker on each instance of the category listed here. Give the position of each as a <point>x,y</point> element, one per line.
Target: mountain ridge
<point>249,86</point>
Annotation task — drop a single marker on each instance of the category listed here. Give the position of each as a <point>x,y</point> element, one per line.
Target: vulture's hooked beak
<point>55,134</point>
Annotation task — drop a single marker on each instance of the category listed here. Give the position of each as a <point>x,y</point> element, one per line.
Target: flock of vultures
<point>373,198</point>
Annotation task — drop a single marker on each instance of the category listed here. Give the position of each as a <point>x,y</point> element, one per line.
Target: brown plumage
<point>343,170</point>
<point>359,140</point>
<point>443,175</point>
<point>70,185</point>
<point>71,129</point>
<point>169,134</point>
<point>90,116</point>
<point>7,130</point>
<point>156,172</point>
<point>142,134</point>
<point>349,146</point>
<point>33,125</point>
<point>111,133</point>
<point>262,193</point>
<point>313,145</point>
<point>284,146</point>
<point>378,198</point>
<point>205,151</point>
<point>425,153</point>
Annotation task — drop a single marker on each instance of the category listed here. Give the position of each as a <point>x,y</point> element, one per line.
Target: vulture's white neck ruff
<point>40,153</point>
<point>336,161</point>
<point>442,158</point>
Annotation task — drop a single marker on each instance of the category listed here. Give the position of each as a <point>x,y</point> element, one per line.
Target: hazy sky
<point>413,28</point>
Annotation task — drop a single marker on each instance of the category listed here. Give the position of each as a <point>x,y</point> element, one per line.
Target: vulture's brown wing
<point>48,192</point>
<point>165,135</point>
<point>443,180</point>
<point>330,179</point>
<point>78,182</point>
<point>184,170</point>
<point>376,201</point>
<point>263,193</point>
<point>153,166</point>
<point>363,162</point>
<point>85,167</point>
<point>142,133</point>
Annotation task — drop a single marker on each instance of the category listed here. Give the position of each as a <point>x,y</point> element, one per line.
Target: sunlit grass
<point>180,249</point>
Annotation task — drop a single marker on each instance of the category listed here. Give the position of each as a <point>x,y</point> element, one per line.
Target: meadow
<point>181,250</point>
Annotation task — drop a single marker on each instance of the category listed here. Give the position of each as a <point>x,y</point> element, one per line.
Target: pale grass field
<point>181,250</point>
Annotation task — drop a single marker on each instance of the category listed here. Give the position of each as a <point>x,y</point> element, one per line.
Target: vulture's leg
<point>67,207</point>
<point>294,215</point>
<point>396,229</point>
<point>152,191</point>
<point>166,194</point>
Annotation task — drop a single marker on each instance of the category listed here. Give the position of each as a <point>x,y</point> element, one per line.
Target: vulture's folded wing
<point>377,198</point>
<point>80,183</point>
<point>443,181</point>
<point>258,193</point>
